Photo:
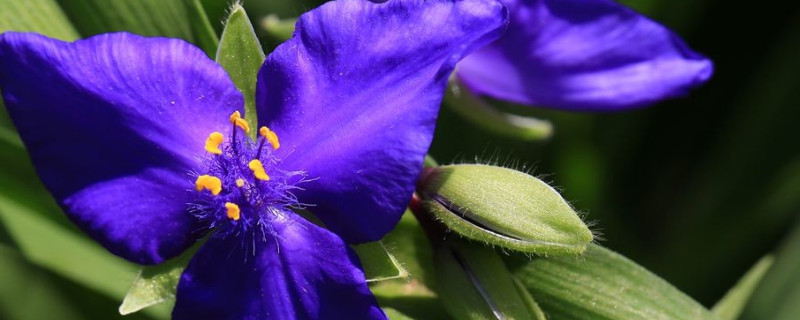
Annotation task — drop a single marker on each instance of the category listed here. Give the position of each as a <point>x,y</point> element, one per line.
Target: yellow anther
<point>210,183</point>
<point>237,120</point>
<point>270,136</point>
<point>240,182</point>
<point>258,170</point>
<point>234,213</point>
<point>213,142</point>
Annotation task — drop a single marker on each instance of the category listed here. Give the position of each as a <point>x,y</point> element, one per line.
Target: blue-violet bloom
<point>590,55</point>
<point>143,143</point>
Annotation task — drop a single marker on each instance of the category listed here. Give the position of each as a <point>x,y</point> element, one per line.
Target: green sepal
<point>158,283</point>
<point>378,263</point>
<point>241,55</point>
<point>503,207</point>
<point>601,284</point>
<point>473,283</point>
<point>482,114</point>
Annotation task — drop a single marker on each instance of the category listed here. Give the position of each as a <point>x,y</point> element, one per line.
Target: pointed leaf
<point>732,304</point>
<point>777,297</point>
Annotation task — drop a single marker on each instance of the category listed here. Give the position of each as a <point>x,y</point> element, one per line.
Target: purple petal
<point>300,272</point>
<point>114,125</point>
<point>354,97</point>
<point>583,55</point>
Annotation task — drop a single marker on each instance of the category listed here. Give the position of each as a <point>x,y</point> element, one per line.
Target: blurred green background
<point>695,189</point>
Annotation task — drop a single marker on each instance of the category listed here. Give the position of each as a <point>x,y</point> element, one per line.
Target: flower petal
<point>114,125</point>
<point>300,272</point>
<point>354,97</point>
<point>583,55</point>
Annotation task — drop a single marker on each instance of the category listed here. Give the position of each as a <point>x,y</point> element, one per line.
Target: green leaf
<point>51,246</point>
<point>602,284</point>
<point>203,33</point>
<point>241,55</point>
<point>732,304</point>
<point>483,115</point>
<point>42,16</point>
<point>473,283</point>
<point>393,314</point>
<point>777,297</point>
<point>379,264</point>
<point>503,207</point>
<point>25,286</point>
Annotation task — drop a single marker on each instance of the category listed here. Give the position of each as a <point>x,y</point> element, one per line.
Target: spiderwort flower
<point>142,142</point>
<point>590,55</point>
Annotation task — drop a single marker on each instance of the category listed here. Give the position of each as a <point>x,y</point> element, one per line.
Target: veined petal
<point>300,272</point>
<point>583,55</point>
<point>354,97</point>
<point>114,125</point>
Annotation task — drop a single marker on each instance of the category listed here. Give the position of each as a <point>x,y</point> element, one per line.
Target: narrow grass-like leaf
<point>183,19</point>
<point>473,283</point>
<point>74,257</point>
<point>601,284</point>
<point>777,297</point>
<point>534,310</point>
<point>42,16</point>
<point>241,55</point>
<point>732,304</point>
<point>144,17</point>
<point>203,33</point>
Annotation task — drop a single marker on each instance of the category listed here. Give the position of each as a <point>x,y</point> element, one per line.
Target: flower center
<point>241,188</point>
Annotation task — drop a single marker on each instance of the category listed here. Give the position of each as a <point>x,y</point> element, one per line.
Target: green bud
<point>503,207</point>
<point>473,283</point>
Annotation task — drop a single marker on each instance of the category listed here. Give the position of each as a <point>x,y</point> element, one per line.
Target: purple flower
<point>583,55</point>
<point>143,143</point>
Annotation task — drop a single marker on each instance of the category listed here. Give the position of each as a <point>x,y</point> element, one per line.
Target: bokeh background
<point>695,189</point>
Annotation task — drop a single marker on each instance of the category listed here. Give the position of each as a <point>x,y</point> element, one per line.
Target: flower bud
<point>503,207</point>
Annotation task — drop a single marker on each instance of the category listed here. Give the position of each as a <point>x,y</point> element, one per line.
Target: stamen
<point>210,183</point>
<point>237,120</point>
<point>271,136</point>
<point>233,211</point>
<point>213,142</point>
<point>258,170</point>
<point>240,182</point>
